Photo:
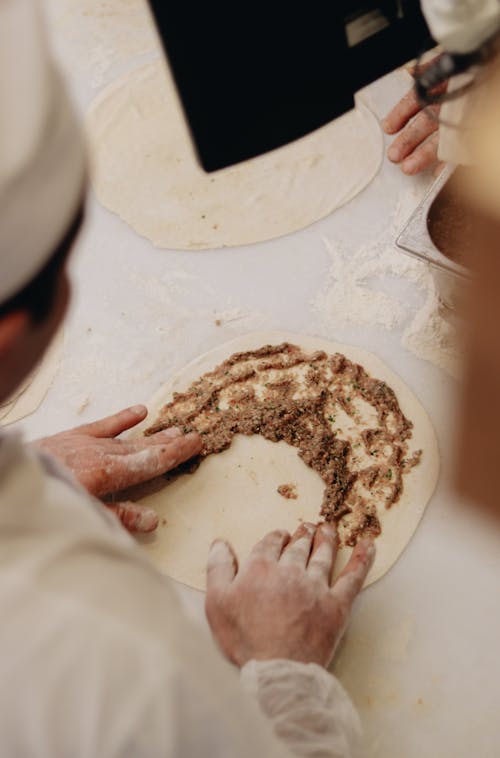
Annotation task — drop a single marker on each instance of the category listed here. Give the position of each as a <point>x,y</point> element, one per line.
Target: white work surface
<point>420,658</point>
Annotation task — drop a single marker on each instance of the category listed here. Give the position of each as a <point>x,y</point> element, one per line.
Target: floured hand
<point>416,146</point>
<point>103,464</point>
<point>280,603</point>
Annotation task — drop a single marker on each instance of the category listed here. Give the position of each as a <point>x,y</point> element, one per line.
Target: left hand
<point>281,603</point>
<point>415,148</point>
<point>104,464</point>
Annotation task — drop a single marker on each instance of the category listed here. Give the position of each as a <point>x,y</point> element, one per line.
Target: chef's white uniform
<point>99,661</point>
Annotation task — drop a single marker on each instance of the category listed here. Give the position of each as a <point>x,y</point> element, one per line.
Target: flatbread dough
<point>144,169</point>
<point>234,494</point>
<point>30,395</point>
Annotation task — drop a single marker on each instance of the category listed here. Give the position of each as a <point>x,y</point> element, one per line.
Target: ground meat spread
<point>346,425</point>
<point>288,491</point>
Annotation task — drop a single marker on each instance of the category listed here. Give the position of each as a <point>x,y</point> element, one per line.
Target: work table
<point>420,657</point>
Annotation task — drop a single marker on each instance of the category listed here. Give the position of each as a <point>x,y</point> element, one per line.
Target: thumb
<point>222,566</point>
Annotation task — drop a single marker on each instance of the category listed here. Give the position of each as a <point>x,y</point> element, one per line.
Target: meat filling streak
<point>346,425</point>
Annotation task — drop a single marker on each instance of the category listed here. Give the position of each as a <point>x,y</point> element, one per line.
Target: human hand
<point>103,464</point>
<point>280,603</point>
<point>416,146</point>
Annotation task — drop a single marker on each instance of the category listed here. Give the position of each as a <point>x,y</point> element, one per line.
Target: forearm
<point>309,709</point>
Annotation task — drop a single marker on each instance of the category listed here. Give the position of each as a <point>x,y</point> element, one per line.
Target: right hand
<point>280,603</point>
<point>416,146</point>
<point>104,464</point>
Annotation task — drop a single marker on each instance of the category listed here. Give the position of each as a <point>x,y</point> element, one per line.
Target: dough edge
<point>187,236</point>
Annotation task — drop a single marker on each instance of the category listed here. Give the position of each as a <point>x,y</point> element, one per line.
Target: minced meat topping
<point>288,491</point>
<point>346,425</point>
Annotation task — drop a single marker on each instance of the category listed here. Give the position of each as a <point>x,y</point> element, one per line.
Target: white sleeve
<point>308,708</point>
<point>102,661</point>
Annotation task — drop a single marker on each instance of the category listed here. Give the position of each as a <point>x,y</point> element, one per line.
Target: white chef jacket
<point>99,660</point>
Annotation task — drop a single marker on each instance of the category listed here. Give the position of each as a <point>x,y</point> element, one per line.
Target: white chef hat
<point>41,151</point>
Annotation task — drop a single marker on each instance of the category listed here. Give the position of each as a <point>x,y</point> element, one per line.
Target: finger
<point>222,566</point>
<point>412,69</point>
<point>324,552</point>
<point>423,157</point>
<point>119,422</point>
<point>135,517</point>
<point>413,135</point>
<point>409,105</point>
<point>145,462</point>
<point>402,112</point>
<point>298,549</point>
<point>350,581</point>
<point>270,547</point>
<point>155,459</point>
<point>166,434</point>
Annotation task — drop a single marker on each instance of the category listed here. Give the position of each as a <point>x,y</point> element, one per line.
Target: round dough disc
<point>30,395</point>
<point>234,495</point>
<point>144,169</point>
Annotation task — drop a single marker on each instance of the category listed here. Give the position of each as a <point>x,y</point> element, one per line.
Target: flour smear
<point>355,291</point>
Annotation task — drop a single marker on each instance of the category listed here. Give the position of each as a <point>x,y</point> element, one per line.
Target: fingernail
<point>408,166</point>
<point>368,540</point>
<point>309,528</point>
<point>368,545</point>
<point>393,154</point>
<point>302,530</point>
<point>280,533</point>
<point>385,124</point>
<point>138,410</point>
<point>329,528</point>
<point>147,520</point>
<point>218,546</point>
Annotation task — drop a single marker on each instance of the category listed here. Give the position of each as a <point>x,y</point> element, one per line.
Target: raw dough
<point>143,168</point>
<point>29,396</point>
<point>234,494</point>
